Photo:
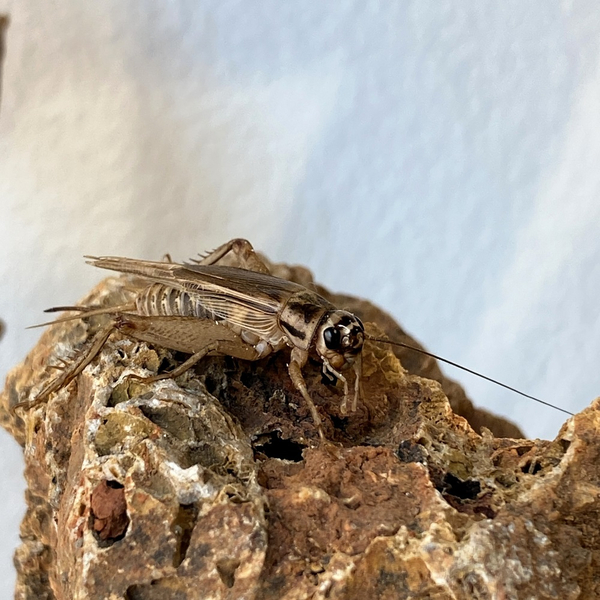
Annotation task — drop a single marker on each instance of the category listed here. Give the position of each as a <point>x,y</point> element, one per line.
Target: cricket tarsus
<point>481,375</point>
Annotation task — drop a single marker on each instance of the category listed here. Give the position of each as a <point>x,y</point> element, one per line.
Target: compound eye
<point>331,336</point>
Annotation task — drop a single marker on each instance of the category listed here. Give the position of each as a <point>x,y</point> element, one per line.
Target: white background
<point>439,158</point>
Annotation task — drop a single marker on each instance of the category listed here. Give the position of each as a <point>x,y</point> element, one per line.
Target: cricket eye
<point>331,336</point>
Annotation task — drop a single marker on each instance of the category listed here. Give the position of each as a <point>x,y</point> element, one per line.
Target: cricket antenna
<point>512,389</point>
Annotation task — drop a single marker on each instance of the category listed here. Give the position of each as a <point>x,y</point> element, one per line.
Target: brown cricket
<point>205,308</point>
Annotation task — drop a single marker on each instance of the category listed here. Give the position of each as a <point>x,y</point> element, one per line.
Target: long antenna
<point>512,389</point>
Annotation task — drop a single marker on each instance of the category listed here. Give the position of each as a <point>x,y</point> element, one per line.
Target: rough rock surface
<point>215,486</point>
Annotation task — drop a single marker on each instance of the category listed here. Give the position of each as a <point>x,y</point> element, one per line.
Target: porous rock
<point>216,486</point>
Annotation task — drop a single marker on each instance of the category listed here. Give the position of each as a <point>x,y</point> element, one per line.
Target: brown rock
<point>216,485</point>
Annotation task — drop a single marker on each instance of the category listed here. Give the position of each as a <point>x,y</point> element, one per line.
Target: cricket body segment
<point>205,308</point>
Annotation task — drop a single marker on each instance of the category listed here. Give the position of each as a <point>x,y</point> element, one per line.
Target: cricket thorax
<point>301,316</point>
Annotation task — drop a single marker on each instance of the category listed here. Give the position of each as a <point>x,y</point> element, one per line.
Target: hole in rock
<point>109,518</point>
<point>132,593</point>
<point>165,365</point>
<point>247,378</point>
<point>230,363</point>
<point>226,569</point>
<point>339,423</point>
<point>522,450</point>
<point>272,445</point>
<point>210,384</point>
<point>157,589</point>
<point>182,527</point>
<point>453,486</point>
<point>408,451</point>
<point>531,467</point>
<point>564,444</point>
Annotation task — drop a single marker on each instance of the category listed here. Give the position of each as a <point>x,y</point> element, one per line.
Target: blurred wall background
<point>440,158</point>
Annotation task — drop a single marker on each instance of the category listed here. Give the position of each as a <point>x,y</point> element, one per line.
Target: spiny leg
<point>69,373</point>
<point>338,375</point>
<point>295,372</point>
<point>357,381</point>
<point>177,371</point>
<point>63,364</point>
<point>241,350</point>
<point>243,253</point>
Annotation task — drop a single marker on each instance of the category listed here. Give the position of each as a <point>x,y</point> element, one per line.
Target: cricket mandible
<point>205,308</point>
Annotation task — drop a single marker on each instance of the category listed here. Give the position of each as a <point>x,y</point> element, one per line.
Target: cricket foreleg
<point>72,370</point>
<point>243,253</point>
<point>338,375</point>
<point>357,367</point>
<point>297,361</point>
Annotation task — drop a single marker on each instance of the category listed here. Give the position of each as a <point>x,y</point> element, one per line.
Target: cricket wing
<point>249,300</point>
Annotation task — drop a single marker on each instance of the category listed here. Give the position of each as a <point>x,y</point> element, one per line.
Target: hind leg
<point>236,253</point>
<point>71,370</point>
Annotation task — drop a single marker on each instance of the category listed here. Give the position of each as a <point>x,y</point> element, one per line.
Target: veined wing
<point>244,298</point>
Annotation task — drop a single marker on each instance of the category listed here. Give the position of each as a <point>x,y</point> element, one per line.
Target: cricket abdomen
<point>159,300</point>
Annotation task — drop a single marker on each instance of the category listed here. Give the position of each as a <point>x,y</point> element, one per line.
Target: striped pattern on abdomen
<point>163,300</point>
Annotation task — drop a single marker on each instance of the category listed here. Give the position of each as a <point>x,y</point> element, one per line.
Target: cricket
<point>204,308</point>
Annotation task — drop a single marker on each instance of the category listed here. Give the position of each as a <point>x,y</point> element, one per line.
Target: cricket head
<point>340,339</point>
